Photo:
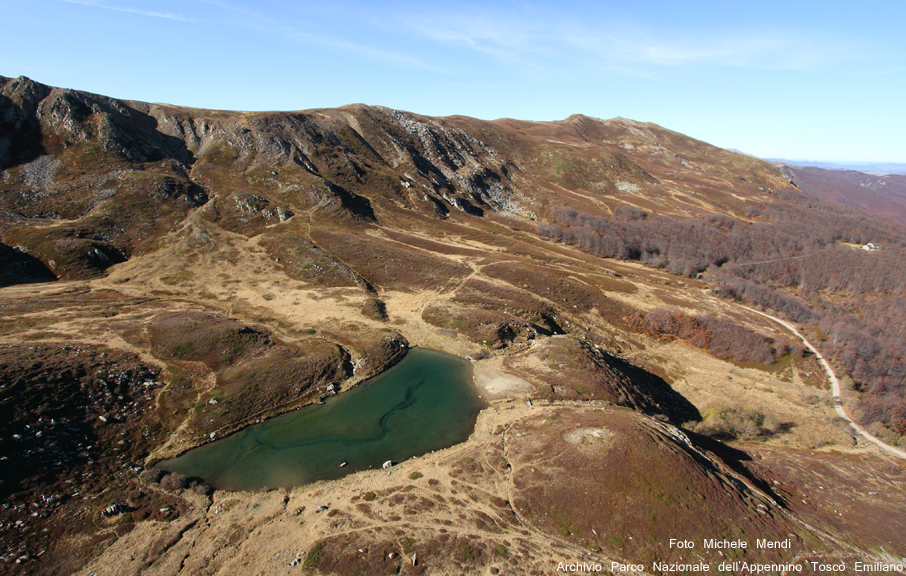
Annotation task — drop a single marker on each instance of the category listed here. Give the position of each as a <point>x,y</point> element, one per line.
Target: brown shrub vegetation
<point>391,266</point>
<point>721,338</point>
<point>254,373</point>
<point>492,329</point>
<point>173,482</point>
<point>152,475</point>
<point>627,490</point>
<point>375,309</point>
<point>732,422</point>
<point>550,284</point>
<point>302,260</point>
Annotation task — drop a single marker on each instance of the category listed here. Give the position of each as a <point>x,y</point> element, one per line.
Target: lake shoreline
<point>307,399</point>
<point>428,402</point>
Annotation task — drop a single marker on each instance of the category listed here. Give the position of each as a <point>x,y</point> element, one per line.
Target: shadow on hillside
<point>358,206</point>
<point>734,459</point>
<point>673,404</point>
<point>20,142</point>
<point>129,133</point>
<point>17,267</point>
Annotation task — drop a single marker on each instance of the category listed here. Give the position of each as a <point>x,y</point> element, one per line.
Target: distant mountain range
<point>867,167</point>
<point>877,187</point>
<point>883,194</point>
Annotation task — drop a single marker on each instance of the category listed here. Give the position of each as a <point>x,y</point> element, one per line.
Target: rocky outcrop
<point>20,131</point>
<point>74,117</point>
<point>456,169</point>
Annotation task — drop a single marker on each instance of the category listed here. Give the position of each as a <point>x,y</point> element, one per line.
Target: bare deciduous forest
<point>795,255</point>
<point>723,339</point>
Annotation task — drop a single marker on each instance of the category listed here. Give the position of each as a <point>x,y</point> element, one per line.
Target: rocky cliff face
<point>31,111</point>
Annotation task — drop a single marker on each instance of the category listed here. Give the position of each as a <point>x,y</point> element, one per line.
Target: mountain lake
<point>425,402</point>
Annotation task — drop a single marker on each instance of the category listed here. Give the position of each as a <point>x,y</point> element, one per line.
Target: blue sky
<point>798,80</point>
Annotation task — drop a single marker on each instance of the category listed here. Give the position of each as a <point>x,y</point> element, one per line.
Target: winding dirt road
<point>835,386</point>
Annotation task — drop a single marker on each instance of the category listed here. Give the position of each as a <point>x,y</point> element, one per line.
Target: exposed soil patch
<point>497,384</point>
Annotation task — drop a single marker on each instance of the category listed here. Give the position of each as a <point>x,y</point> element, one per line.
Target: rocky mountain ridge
<point>356,157</point>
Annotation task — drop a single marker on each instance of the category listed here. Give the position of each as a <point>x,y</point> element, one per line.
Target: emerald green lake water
<point>425,402</point>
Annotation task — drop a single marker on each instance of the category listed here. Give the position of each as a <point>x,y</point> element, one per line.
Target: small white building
<point>871,246</point>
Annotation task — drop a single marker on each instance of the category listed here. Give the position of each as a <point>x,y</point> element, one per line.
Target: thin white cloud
<point>620,46</point>
<point>759,50</point>
<point>139,11</point>
<point>372,52</point>
<point>286,25</point>
<point>234,9</point>
<point>888,71</point>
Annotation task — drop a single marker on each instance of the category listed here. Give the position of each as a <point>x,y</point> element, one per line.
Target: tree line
<point>723,339</point>
<point>796,255</point>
